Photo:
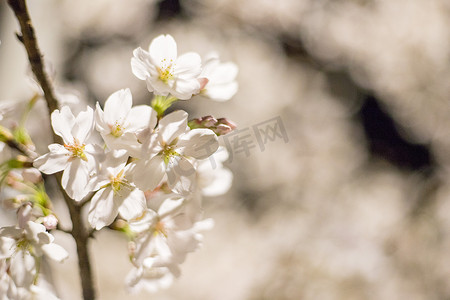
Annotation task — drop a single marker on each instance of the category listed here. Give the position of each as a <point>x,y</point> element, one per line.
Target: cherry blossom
<point>77,158</point>
<point>115,193</point>
<point>220,83</point>
<point>146,173</point>
<point>213,178</point>
<point>118,123</point>
<point>19,249</point>
<point>166,73</point>
<point>169,149</point>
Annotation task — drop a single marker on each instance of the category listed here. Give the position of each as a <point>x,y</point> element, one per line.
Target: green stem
<point>161,103</point>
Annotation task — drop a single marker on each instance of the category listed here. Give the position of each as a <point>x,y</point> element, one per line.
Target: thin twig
<point>28,38</point>
<point>79,232</point>
<point>21,148</point>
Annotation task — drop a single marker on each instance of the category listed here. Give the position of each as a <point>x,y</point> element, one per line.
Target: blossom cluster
<point>140,171</point>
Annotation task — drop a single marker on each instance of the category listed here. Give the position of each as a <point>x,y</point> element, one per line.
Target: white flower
<point>152,276</point>
<point>118,123</point>
<point>76,157</point>
<point>168,150</point>
<point>116,194</point>
<point>20,247</point>
<point>168,233</point>
<point>212,177</point>
<point>166,73</point>
<point>220,83</point>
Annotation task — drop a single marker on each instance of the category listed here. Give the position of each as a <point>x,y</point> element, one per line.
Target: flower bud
<point>50,222</point>
<point>227,122</point>
<point>222,129</point>
<point>219,126</point>
<point>5,134</point>
<point>208,121</point>
<point>32,175</point>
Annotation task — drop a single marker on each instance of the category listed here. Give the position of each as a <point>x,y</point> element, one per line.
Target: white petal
<point>188,66</point>
<point>45,238</point>
<point>221,92</point>
<point>183,89</point>
<point>55,252</point>
<point>163,48</point>
<point>173,125</point>
<point>54,161</point>
<point>199,143</point>
<point>141,117</point>
<point>170,206</point>
<point>161,246</point>
<point>148,175</point>
<point>75,179</point>
<point>140,65</point>
<point>117,107</point>
<point>22,269</point>
<point>223,73</point>
<point>33,230</point>
<point>62,123</point>
<point>84,124</point>
<point>181,176</point>
<point>182,243</point>
<point>219,184</point>
<point>7,246</point>
<point>133,206</point>
<point>100,123</point>
<point>127,141</point>
<point>221,154</point>
<point>103,209</point>
<point>144,222</point>
<point>158,86</point>
<point>11,232</point>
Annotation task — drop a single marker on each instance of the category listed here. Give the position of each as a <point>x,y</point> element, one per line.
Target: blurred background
<point>349,198</point>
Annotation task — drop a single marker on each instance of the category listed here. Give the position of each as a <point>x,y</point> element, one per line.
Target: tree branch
<point>79,232</point>
<point>81,235</point>
<point>28,38</point>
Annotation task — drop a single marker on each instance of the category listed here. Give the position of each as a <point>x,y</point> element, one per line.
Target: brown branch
<point>81,235</point>
<point>28,38</point>
<point>79,232</point>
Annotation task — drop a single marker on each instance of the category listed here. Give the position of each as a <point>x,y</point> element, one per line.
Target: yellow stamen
<point>77,149</point>
<point>165,72</point>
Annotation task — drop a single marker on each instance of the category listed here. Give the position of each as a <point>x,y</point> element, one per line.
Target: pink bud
<point>222,129</point>
<point>208,121</point>
<point>203,82</point>
<point>32,175</point>
<point>227,122</point>
<point>50,222</point>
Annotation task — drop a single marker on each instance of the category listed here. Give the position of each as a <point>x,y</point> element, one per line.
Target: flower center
<point>116,129</point>
<point>24,245</point>
<point>160,229</point>
<point>168,152</point>
<point>77,149</point>
<point>166,71</point>
<point>118,182</point>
